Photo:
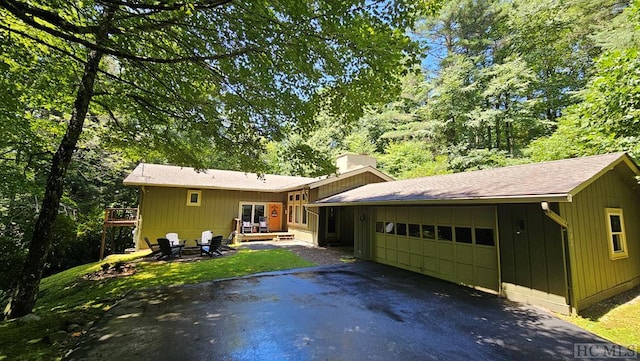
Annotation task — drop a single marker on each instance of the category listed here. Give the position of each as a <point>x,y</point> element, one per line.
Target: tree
<point>186,76</point>
<point>607,116</point>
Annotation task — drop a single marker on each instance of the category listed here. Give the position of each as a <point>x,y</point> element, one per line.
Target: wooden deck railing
<point>121,216</point>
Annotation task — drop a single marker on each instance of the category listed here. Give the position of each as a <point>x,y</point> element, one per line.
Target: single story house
<point>562,234</point>
<point>188,202</point>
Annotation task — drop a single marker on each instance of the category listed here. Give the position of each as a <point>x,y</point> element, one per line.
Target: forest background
<point>501,83</point>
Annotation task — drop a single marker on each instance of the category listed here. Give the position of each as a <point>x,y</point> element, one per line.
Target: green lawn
<point>616,319</point>
<point>67,298</point>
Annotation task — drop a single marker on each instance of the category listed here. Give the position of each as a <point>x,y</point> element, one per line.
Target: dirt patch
<point>118,269</point>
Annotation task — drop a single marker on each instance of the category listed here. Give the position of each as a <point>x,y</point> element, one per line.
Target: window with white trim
<point>194,198</point>
<point>616,235</point>
<point>297,210</point>
<point>252,212</point>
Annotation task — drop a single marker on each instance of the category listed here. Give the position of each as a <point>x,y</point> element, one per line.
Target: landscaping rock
<point>29,318</point>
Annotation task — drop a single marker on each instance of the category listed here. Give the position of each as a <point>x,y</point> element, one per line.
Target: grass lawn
<point>69,302</point>
<point>616,319</point>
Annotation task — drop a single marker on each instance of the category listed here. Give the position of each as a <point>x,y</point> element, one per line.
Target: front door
<point>274,214</point>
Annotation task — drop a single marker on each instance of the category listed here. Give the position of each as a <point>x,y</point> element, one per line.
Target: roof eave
<point>348,174</point>
<point>193,186</point>
<point>624,157</point>
<point>563,198</point>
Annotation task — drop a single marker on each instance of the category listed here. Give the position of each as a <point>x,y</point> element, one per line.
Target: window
<point>617,238</point>
<point>194,198</point>
<point>463,235</point>
<point>414,230</point>
<point>428,231</point>
<point>251,212</point>
<point>297,210</point>
<point>445,233</point>
<point>390,227</point>
<point>484,237</point>
<point>379,227</point>
<point>402,229</point>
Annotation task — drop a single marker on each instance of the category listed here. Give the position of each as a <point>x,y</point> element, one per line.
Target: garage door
<point>457,244</point>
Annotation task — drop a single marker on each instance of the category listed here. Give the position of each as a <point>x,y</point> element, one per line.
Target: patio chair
<point>154,247</point>
<point>212,246</point>
<point>173,238</point>
<point>247,227</point>
<point>262,225</point>
<point>167,250</point>
<point>226,242</point>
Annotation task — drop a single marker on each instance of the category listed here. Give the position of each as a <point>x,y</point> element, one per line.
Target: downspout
<point>565,249</point>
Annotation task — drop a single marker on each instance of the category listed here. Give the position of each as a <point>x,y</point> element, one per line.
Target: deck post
<point>104,233</point>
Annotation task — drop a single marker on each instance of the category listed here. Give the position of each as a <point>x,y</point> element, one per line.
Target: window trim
<point>297,211</point>
<point>191,192</point>
<point>253,211</point>
<point>613,254</point>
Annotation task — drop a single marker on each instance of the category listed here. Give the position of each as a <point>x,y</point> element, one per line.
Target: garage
<point>457,244</point>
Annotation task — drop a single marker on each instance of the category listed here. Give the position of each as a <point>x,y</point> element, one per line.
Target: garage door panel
<point>487,278</point>
<point>416,261</point>
<point>445,250</point>
<point>430,264</point>
<point>415,246</point>
<point>391,243</point>
<point>430,248</point>
<point>464,253</point>
<point>486,257</point>
<point>465,273</point>
<point>446,268</point>
<point>404,258</point>
<point>466,256</point>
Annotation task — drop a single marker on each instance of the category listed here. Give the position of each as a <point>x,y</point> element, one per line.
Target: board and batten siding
<point>346,184</point>
<point>532,256</point>
<point>164,210</point>
<point>595,276</point>
<point>315,232</point>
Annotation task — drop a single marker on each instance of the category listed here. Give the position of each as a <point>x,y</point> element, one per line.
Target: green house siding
<point>346,184</point>
<point>595,276</point>
<point>164,209</point>
<point>531,256</point>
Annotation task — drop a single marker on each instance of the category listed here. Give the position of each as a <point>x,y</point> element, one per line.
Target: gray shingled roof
<point>184,177</point>
<point>553,181</point>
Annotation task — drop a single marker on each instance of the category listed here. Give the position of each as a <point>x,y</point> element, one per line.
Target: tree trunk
<point>24,294</point>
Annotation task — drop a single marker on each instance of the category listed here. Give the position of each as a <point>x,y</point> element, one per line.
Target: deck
<point>276,236</point>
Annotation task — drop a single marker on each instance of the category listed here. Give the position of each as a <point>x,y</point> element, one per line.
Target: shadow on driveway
<point>359,311</point>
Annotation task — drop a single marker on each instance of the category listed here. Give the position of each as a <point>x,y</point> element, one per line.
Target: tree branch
<point>210,4</point>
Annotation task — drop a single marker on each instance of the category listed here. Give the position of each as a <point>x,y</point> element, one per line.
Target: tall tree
<point>183,76</point>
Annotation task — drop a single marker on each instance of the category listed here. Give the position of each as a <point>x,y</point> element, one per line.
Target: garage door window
<point>484,237</point>
<point>401,229</point>
<point>463,235</point>
<point>414,230</point>
<point>379,227</point>
<point>428,231</point>
<point>445,233</point>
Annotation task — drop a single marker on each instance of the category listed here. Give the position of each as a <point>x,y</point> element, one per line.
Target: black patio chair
<point>168,251</point>
<point>155,248</point>
<point>214,246</point>
<point>226,242</point>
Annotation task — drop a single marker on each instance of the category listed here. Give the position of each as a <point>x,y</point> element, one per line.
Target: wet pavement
<point>359,311</point>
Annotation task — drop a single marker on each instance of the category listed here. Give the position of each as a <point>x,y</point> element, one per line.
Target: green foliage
<point>607,118</point>
<point>411,159</point>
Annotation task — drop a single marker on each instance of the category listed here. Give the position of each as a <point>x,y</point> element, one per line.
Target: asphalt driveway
<point>359,311</point>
